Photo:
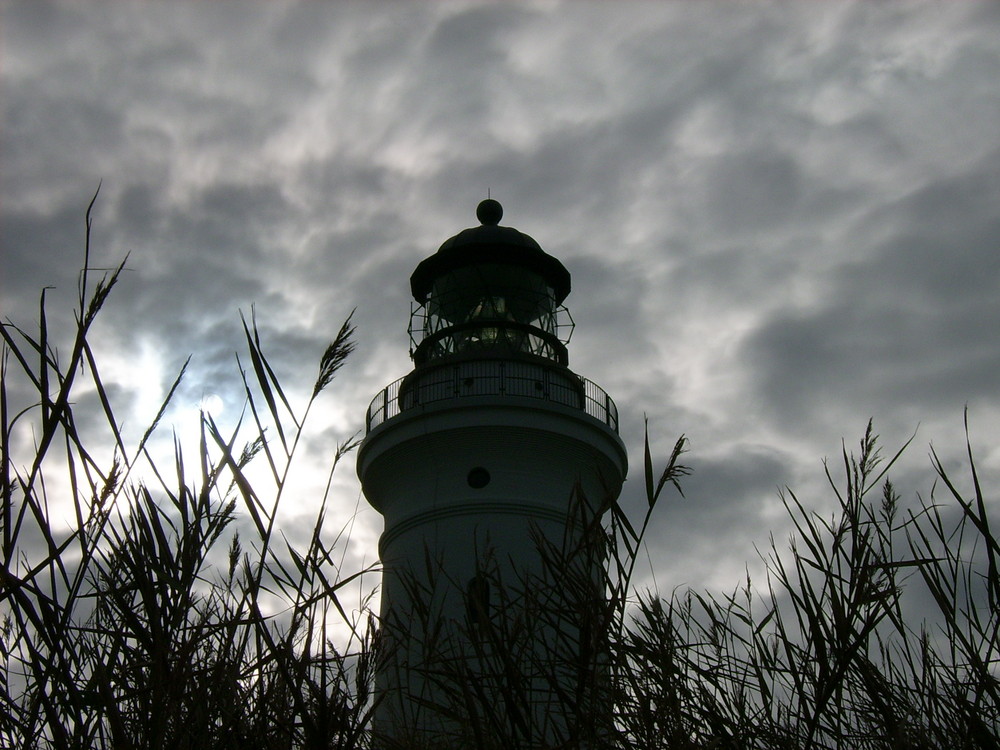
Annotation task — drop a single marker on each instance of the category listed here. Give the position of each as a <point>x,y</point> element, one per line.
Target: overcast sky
<point>781,219</point>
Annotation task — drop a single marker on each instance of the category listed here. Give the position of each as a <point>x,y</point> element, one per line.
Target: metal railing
<point>492,378</point>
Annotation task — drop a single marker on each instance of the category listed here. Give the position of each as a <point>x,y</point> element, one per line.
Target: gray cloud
<point>780,220</point>
<point>910,327</point>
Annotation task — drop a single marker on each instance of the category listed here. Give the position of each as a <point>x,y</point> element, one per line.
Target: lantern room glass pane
<point>491,291</point>
<point>489,306</point>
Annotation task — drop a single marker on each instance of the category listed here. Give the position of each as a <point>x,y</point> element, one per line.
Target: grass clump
<point>125,627</point>
<point>837,650</point>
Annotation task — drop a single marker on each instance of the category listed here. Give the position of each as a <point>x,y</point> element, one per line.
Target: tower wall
<point>441,532</point>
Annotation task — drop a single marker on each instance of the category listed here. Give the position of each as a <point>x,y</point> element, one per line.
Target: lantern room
<point>490,291</point>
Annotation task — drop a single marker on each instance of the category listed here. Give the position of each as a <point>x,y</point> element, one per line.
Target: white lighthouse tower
<point>489,462</point>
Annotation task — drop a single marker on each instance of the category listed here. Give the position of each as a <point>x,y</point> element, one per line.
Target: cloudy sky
<point>781,218</point>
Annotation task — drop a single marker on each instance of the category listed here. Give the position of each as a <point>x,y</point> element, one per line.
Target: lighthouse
<point>491,463</point>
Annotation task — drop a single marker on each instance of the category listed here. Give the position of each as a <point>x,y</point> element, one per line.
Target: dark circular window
<point>478,478</point>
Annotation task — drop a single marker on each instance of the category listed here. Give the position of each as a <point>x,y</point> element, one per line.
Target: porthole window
<point>478,478</point>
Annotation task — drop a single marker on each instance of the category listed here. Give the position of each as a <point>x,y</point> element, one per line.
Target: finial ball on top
<point>489,212</point>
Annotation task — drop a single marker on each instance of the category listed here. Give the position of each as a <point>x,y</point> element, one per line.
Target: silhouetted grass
<point>827,654</point>
<point>119,627</point>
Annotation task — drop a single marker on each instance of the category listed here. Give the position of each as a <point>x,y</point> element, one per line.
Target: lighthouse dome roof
<point>490,243</point>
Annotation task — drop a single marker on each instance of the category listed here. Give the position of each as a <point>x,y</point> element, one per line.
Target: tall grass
<point>119,629</point>
<point>834,651</point>
<point>133,615</point>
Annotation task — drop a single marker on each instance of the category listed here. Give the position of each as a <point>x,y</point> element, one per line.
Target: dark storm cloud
<point>40,249</point>
<point>910,327</point>
<point>756,190</point>
<point>724,518</point>
<point>197,263</point>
